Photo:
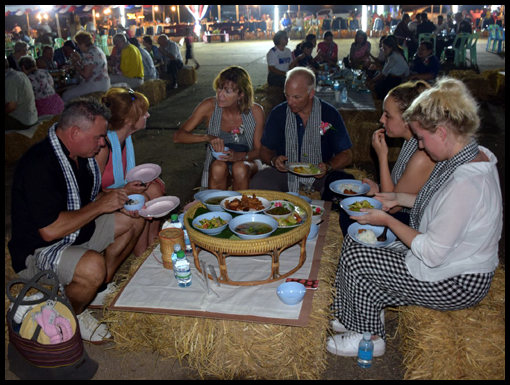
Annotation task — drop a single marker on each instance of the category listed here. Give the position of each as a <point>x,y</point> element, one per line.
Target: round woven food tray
<point>256,246</point>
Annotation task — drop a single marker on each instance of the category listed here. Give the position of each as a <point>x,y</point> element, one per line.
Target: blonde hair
<point>242,84</point>
<point>405,93</point>
<point>449,104</point>
<point>83,37</point>
<point>125,105</point>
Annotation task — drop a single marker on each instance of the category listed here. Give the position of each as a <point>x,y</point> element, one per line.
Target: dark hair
<point>82,112</point>
<point>391,42</point>
<point>405,93</point>
<point>304,44</point>
<point>278,36</point>
<point>328,34</point>
<point>148,40</point>
<point>427,45</point>
<point>362,33</point>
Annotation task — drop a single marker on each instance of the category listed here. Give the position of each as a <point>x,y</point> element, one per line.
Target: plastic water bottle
<point>177,248</point>
<point>365,351</point>
<point>174,221</point>
<point>336,86</point>
<point>344,95</point>
<point>182,269</point>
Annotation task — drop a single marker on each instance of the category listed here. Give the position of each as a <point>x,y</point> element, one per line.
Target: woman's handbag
<point>45,343</point>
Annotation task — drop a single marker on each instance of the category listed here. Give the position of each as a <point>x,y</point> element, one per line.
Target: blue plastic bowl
<point>338,187</point>
<point>314,230</point>
<point>136,207</point>
<point>223,215</point>
<point>246,218</point>
<point>217,194</point>
<point>349,201</point>
<point>217,154</point>
<point>291,293</point>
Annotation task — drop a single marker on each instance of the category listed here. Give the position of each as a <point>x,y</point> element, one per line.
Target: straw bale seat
<point>17,143</point>
<point>488,84</point>
<point>187,76</point>
<point>466,344</point>
<point>154,90</point>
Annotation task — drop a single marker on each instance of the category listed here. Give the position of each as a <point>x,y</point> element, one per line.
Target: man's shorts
<point>103,236</point>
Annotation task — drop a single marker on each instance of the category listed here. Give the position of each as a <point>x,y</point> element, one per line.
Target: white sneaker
<point>99,300</point>
<point>347,344</point>
<point>337,326</point>
<point>91,330</point>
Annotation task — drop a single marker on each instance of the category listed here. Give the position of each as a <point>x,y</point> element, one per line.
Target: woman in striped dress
<point>234,121</point>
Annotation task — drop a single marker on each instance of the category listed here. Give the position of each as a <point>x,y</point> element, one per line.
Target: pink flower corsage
<point>325,126</point>
<point>236,132</point>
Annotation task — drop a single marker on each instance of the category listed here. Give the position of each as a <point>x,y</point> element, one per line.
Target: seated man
<point>61,220</point>
<point>131,65</point>
<point>171,55</point>
<point>303,129</point>
<point>20,109</point>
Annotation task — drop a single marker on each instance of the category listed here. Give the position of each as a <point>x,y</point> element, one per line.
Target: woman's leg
<point>218,175</point>
<point>242,172</point>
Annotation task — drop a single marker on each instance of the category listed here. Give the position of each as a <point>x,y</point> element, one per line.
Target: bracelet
<point>271,161</point>
<point>329,168</point>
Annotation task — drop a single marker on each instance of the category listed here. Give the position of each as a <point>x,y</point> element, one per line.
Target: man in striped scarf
<point>61,221</point>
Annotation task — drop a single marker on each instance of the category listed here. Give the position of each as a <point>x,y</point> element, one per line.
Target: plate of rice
<point>367,235</point>
<point>349,187</point>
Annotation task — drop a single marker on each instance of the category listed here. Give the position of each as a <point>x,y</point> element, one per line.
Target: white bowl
<point>280,203</point>
<point>217,154</point>
<point>314,230</point>
<point>251,218</point>
<point>291,293</point>
<point>217,194</point>
<point>223,215</point>
<point>349,201</point>
<point>316,217</point>
<point>339,186</point>
<point>264,201</point>
<point>137,206</point>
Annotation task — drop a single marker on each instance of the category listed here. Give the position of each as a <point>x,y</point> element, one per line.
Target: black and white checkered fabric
<point>311,151</point>
<point>440,174</point>
<point>370,279</point>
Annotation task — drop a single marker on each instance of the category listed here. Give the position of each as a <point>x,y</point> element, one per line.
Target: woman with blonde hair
<point>129,114</point>
<point>446,258</point>
<point>233,120</point>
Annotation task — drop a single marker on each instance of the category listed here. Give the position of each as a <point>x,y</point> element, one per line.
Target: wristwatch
<point>329,168</point>
<point>271,161</point>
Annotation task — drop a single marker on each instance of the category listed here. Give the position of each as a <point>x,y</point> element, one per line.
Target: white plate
<point>144,172</point>
<point>264,202</point>
<point>339,186</point>
<point>353,232</point>
<point>291,166</point>
<point>159,207</point>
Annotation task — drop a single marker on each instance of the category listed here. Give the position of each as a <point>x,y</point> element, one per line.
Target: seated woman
<point>328,50</point>
<point>426,65</point>
<point>395,68</point>
<point>359,57</point>
<point>129,114</point>
<point>233,120</point>
<point>91,66</point>
<point>451,248</point>
<point>47,101</point>
<point>413,166</point>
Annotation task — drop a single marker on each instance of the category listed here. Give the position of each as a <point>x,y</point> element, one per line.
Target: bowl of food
<point>291,293</point>
<point>217,154</point>
<point>349,187</point>
<point>317,212</point>
<point>253,226</point>
<point>245,204</point>
<point>367,235</point>
<point>212,200</point>
<point>280,209</point>
<point>135,202</point>
<point>353,205</point>
<point>212,223</point>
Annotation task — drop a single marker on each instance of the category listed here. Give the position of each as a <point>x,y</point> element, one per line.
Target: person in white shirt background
<point>279,60</point>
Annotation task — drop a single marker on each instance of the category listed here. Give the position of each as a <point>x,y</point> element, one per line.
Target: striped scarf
<point>118,167</point>
<point>440,174</point>
<point>214,129</point>
<point>310,149</point>
<point>49,257</point>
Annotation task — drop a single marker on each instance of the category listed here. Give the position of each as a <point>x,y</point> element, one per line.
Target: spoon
<point>382,237</point>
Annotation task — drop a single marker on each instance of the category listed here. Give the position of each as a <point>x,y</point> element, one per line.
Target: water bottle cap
<point>367,336</point>
<point>174,217</point>
<point>177,247</point>
<point>181,254</point>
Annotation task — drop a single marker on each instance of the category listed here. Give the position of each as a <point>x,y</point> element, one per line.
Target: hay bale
<point>154,90</point>
<point>495,83</point>
<point>17,144</point>
<point>465,344</point>
<point>473,81</point>
<point>227,349</point>
<point>187,76</point>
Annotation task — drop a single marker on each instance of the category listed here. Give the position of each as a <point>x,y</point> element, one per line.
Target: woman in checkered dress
<point>447,256</point>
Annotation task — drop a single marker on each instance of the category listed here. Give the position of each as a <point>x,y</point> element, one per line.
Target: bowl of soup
<point>280,209</point>
<point>212,200</point>
<point>253,226</point>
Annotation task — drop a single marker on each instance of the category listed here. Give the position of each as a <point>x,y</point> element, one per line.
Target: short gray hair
<point>28,62</point>
<point>119,36</point>
<point>308,76</point>
<point>82,112</point>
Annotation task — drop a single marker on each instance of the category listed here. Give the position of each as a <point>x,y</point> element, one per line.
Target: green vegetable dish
<point>357,206</point>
